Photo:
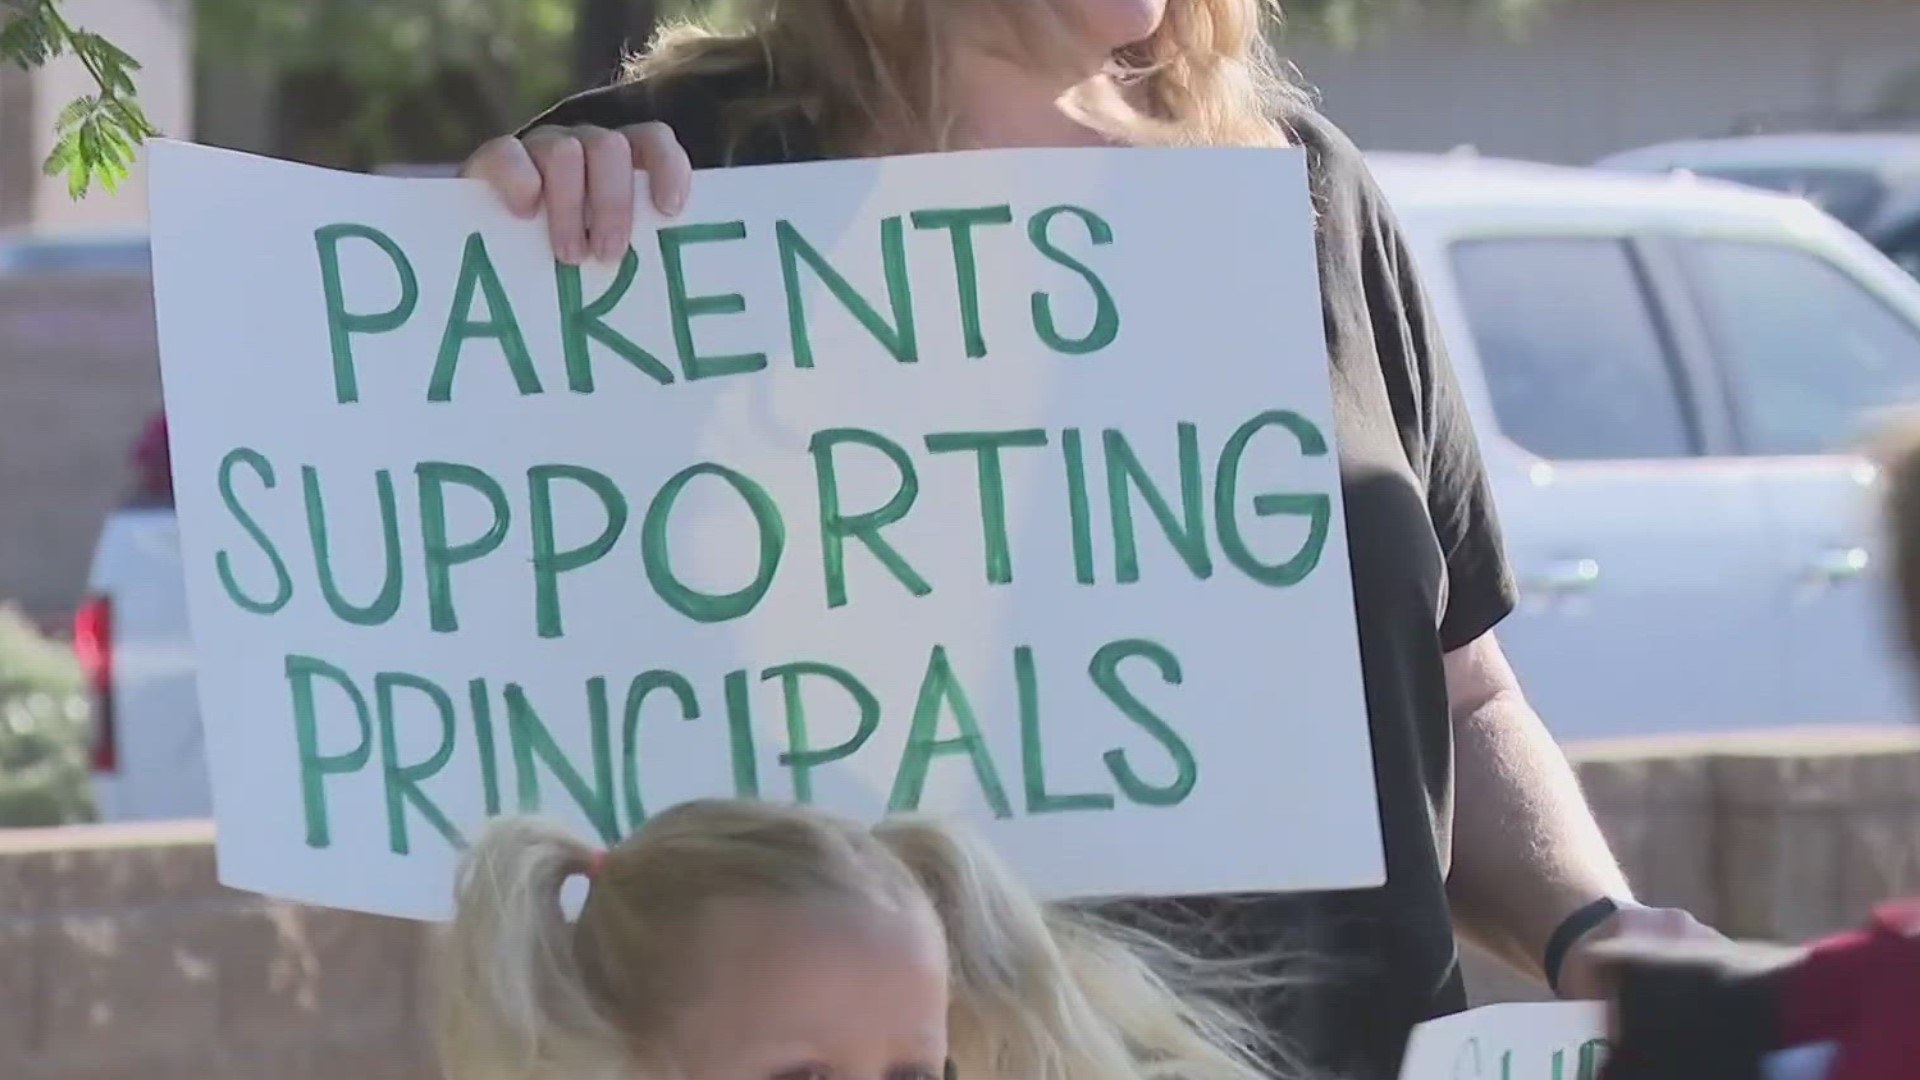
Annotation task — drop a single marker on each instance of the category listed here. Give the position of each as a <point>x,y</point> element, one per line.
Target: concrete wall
<point>120,959</point>
<point>1594,76</point>
<point>1778,837</point>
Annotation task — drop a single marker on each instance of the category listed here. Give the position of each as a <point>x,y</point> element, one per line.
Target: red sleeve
<point>1861,990</point>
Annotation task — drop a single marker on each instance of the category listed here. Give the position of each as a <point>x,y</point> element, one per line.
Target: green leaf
<point>95,134</point>
<point>76,111</point>
<point>22,40</point>
<point>88,138</point>
<point>31,37</point>
<point>105,60</point>
<point>117,146</point>
<point>119,58</point>
<point>117,79</point>
<point>128,117</point>
<point>63,157</point>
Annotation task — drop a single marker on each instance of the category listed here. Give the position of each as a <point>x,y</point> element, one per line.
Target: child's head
<point>1898,453</point>
<point>733,940</point>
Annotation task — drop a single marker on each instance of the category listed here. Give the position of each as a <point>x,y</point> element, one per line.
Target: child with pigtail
<point>736,940</point>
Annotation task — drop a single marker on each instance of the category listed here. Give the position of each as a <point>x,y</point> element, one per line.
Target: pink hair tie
<point>595,862</point>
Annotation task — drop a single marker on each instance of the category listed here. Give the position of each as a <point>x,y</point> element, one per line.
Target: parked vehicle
<point>131,636</point>
<point>1671,376</point>
<point>1868,180</point>
<point>130,628</point>
<point>1668,374</point>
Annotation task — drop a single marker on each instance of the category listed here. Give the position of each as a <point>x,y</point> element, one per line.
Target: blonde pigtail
<point>512,1002</point>
<point>1053,995</point>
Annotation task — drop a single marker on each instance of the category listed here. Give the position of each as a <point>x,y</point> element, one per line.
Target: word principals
<point>607,786</point>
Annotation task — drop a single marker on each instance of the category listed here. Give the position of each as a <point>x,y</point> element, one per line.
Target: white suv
<point>1670,377</point>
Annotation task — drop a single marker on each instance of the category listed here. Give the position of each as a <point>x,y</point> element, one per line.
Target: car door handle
<point>1563,577</point>
<point>1839,564</point>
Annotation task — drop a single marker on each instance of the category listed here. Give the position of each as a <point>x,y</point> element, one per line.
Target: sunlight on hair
<point>870,75</point>
<point>1036,993</point>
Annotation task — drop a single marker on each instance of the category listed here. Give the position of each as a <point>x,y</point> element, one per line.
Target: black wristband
<point>1572,929</point>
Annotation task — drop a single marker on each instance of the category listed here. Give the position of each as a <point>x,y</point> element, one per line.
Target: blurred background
<point>1586,338</point>
<point>1674,249</point>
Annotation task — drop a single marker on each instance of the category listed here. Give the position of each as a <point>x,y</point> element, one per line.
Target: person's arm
<point>1526,849</point>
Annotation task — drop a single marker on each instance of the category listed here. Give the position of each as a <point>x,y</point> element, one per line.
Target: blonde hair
<point>1036,993</point>
<point>870,76</point>
<point>1895,448</point>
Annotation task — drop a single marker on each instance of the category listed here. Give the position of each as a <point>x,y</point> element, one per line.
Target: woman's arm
<point>1527,851</point>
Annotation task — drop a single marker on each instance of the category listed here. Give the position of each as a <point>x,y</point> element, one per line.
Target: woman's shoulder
<point>1361,241</point>
<point>1344,190</point>
<point>1366,269</point>
<point>694,104</point>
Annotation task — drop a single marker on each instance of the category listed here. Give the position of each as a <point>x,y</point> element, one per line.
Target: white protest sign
<point>999,485</point>
<point>1522,1041</point>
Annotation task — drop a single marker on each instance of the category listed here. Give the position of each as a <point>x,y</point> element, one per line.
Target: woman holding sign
<point>1485,828</point>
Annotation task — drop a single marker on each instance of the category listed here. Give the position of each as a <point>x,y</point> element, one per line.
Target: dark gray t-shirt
<point>1429,577</point>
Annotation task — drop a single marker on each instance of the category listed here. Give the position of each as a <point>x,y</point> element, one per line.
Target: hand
<point>584,177</point>
<point>1586,974</point>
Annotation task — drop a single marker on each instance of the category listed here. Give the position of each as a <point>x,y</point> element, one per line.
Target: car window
<point>1904,248</point>
<point>1811,353</point>
<point>1573,355</point>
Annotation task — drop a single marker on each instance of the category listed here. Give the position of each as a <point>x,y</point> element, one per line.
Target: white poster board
<point>1522,1041</point>
<point>997,484</point>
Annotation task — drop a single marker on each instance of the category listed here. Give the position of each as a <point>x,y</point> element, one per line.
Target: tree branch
<point>96,134</point>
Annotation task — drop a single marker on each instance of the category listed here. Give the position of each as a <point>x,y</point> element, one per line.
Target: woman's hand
<point>1589,970</point>
<point>585,177</point>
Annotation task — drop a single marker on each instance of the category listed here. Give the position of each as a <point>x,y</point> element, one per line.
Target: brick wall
<point>121,959</point>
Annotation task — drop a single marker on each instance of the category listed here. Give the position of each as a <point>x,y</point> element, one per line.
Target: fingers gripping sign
<point>585,178</point>
<point>658,153</point>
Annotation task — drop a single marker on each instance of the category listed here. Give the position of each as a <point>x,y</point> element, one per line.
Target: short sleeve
<point>697,108</point>
<point>609,106</point>
<point>691,112</point>
<point>1437,430</point>
<point>1480,586</point>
